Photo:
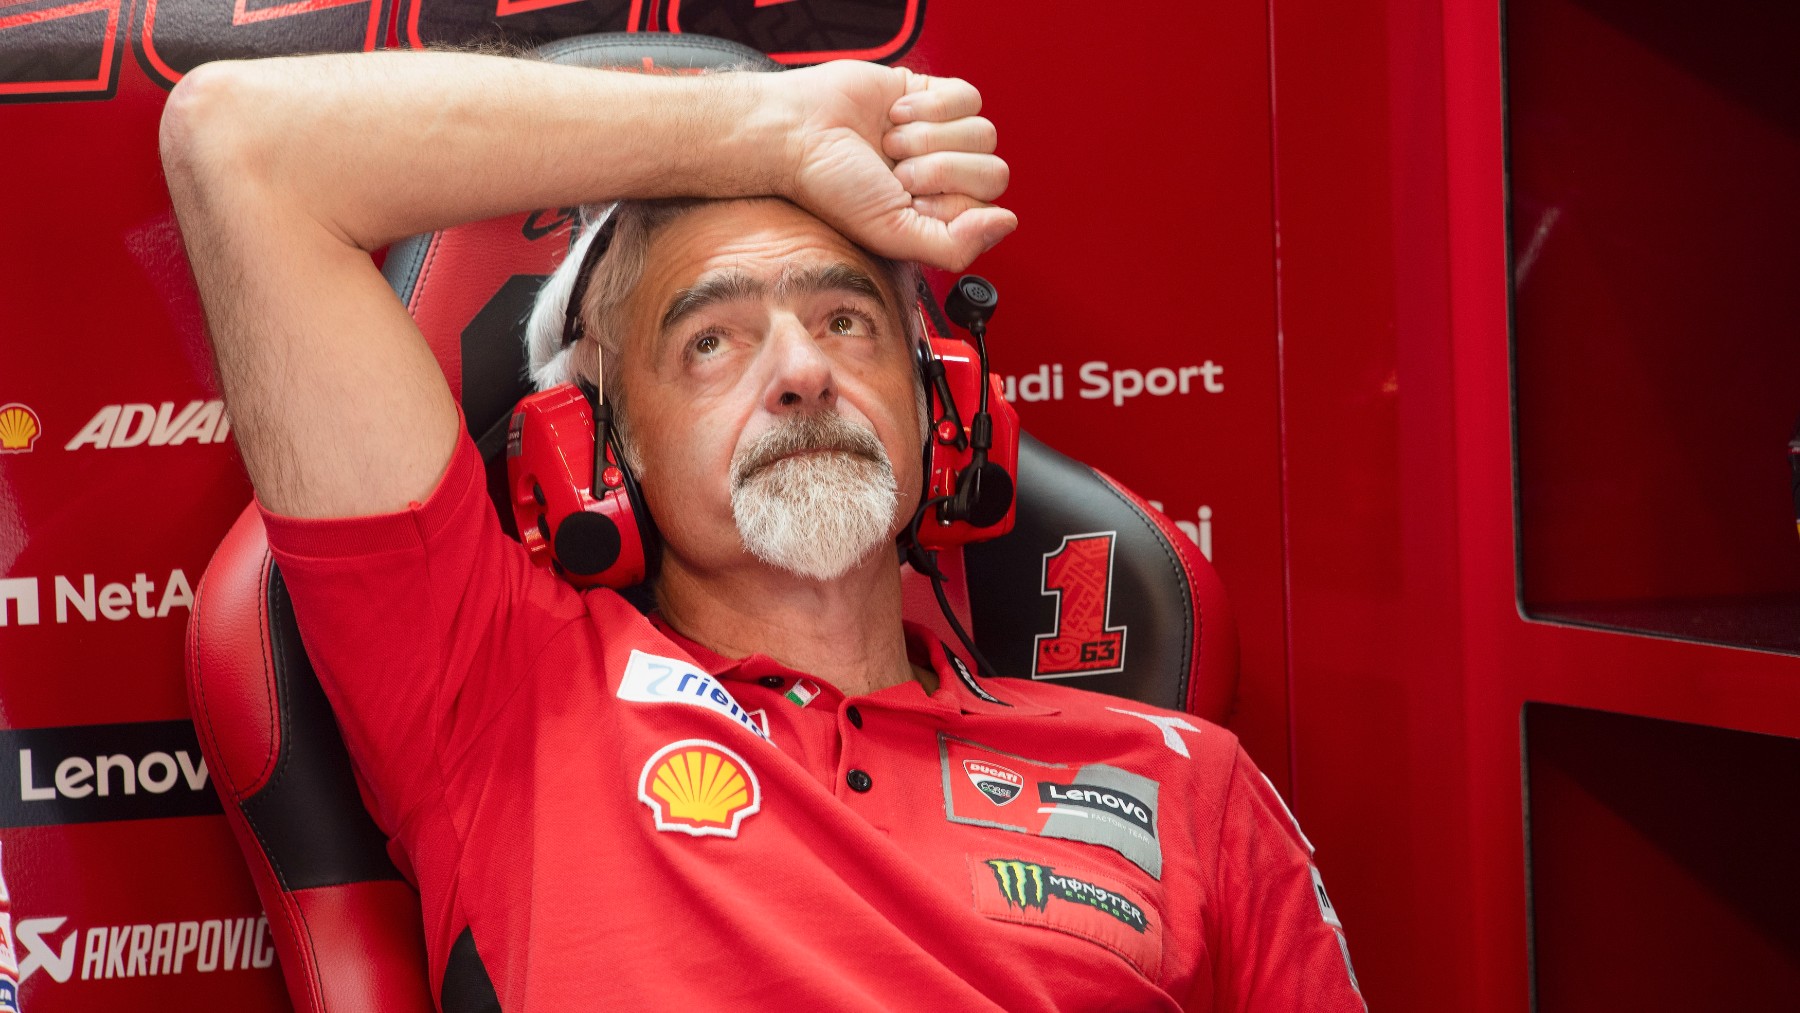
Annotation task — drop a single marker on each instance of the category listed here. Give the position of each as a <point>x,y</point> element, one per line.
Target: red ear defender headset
<point>969,469</point>
<point>579,509</point>
<point>576,503</point>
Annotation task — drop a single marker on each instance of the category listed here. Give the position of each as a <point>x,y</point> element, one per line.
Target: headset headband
<point>596,248</point>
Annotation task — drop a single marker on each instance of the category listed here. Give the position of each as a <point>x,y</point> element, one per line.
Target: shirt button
<point>855,717</point>
<point>859,780</point>
<point>773,681</point>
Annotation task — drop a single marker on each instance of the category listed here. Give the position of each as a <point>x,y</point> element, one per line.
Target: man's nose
<point>801,378</point>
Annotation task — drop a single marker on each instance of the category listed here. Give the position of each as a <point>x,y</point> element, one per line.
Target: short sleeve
<point>1282,944</point>
<point>419,623</point>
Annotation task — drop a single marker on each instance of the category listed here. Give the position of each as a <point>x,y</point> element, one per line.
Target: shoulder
<point>1090,706</point>
<point>1154,736</point>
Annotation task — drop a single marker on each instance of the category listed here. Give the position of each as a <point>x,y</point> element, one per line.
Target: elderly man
<point>769,792</point>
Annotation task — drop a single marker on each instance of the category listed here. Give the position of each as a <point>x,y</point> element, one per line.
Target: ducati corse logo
<point>1000,784</point>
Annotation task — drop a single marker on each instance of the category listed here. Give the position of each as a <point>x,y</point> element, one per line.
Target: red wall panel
<point>1670,822</point>
<point>1408,688</point>
<point>1659,233</point>
<point>1146,242</point>
<point>1371,519</point>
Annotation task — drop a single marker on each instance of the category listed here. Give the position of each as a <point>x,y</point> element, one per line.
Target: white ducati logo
<point>1168,723</point>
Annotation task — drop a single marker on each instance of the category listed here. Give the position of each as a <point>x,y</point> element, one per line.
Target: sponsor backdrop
<point>1137,332</point>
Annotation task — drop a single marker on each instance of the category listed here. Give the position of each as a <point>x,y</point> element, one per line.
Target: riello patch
<point>1073,900</point>
<point>700,788</point>
<point>1093,803</point>
<point>649,678</point>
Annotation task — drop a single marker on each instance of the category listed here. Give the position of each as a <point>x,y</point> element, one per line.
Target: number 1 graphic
<point>1079,574</point>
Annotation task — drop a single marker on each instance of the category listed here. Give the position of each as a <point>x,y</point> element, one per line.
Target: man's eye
<point>706,344</point>
<point>848,323</point>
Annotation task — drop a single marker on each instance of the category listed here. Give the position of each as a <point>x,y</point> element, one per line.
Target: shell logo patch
<point>19,428</point>
<point>698,787</point>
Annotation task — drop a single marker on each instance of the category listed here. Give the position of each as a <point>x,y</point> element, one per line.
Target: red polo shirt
<point>625,820</point>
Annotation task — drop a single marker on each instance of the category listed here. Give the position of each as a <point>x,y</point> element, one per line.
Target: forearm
<point>375,147</point>
<point>284,172</point>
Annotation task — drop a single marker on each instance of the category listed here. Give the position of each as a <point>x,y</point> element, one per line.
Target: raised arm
<point>286,172</point>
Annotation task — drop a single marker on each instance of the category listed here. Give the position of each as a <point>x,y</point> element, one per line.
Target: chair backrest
<point>1092,585</point>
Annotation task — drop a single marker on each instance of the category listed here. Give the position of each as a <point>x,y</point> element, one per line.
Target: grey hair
<point>620,269</point>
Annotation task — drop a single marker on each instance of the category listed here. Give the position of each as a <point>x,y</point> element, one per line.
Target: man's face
<point>757,333</point>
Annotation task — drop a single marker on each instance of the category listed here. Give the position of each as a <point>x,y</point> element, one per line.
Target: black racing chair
<point>345,920</point>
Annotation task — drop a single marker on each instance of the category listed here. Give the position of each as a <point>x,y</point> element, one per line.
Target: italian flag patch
<point>802,692</point>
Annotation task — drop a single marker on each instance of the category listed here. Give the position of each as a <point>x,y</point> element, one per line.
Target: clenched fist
<point>899,162</point>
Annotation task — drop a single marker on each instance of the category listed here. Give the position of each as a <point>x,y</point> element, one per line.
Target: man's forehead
<point>745,247</point>
<point>760,235</point>
<point>751,249</point>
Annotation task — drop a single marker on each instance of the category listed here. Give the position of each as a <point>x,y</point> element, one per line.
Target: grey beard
<point>816,515</point>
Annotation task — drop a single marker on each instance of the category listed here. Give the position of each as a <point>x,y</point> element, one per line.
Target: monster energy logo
<point>1021,883</point>
<point>1030,885</point>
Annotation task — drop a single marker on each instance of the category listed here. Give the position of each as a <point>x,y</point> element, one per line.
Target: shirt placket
<point>802,712</point>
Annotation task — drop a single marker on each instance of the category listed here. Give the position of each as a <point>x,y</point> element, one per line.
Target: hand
<point>899,162</point>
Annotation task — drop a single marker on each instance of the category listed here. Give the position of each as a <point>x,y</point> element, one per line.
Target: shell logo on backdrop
<point>19,428</point>
<point>700,788</point>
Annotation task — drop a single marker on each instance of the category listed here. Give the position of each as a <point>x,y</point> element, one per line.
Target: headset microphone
<point>969,495</point>
<point>984,490</point>
<point>971,302</point>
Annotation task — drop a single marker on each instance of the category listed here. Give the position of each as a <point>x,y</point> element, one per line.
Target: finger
<point>945,207</point>
<point>935,99</point>
<point>970,133</point>
<point>981,229</point>
<point>983,177</point>
<point>954,245</point>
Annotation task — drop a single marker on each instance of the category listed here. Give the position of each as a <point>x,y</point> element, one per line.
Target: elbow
<point>206,132</point>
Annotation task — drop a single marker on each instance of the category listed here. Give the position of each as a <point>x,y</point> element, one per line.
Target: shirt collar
<point>714,663</point>
<point>959,691</point>
<point>957,685</point>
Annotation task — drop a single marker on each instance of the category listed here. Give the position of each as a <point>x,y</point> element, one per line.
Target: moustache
<point>800,434</point>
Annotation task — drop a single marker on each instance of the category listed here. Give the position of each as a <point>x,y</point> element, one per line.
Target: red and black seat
<point>346,921</point>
